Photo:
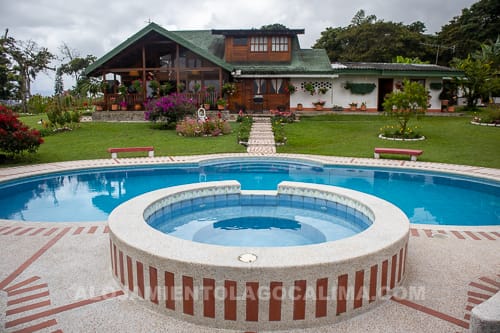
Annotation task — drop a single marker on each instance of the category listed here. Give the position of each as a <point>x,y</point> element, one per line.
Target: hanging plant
<point>360,88</point>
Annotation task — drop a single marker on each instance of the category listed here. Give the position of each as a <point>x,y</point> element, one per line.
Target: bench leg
<point>151,153</point>
<point>413,158</point>
<point>376,155</point>
<point>114,155</point>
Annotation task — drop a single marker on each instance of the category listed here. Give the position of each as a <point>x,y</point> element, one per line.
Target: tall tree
<point>7,79</point>
<point>369,39</point>
<point>29,60</point>
<point>74,64</point>
<point>476,25</point>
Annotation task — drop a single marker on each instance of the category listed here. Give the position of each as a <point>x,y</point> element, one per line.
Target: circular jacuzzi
<point>213,254</point>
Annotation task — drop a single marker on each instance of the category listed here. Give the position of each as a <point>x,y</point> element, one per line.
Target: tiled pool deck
<point>55,277</point>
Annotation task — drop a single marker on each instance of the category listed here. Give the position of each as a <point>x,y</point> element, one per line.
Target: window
<point>259,86</point>
<point>258,44</point>
<point>279,44</point>
<point>277,86</point>
<point>240,41</point>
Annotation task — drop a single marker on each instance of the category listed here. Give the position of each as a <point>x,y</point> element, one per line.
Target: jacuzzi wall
<point>284,288</point>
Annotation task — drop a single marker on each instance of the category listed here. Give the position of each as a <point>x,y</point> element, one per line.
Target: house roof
<point>304,61</point>
<point>258,32</point>
<point>199,42</point>
<point>393,69</point>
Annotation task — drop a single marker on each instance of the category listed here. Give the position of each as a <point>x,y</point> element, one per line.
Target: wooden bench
<point>114,151</point>
<point>412,152</point>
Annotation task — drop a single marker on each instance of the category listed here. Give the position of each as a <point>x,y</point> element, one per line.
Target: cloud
<point>96,27</point>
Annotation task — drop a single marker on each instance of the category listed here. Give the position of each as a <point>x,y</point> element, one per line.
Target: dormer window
<point>279,44</point>
<point>258,44</point>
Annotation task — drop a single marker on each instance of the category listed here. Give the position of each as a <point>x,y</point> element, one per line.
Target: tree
<point>479,79</point>
<point>367,39</point>
<point>274,26</point>
<point>476,25</point>
<point>29,61</point>
<point>405,104</point>
<point>74,65</point>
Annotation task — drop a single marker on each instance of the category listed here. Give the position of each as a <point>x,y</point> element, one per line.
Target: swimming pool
<point>91,194</point>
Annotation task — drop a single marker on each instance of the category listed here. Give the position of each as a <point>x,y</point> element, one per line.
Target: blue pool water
<point>90,195</point>
<point>258,220</point>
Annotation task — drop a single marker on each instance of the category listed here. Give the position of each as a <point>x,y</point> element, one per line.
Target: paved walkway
<point>261,139</point>
<point>56,277</point>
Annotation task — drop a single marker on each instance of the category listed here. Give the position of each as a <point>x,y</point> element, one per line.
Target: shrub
<point>245,128</point>
<point>196,127</point>
<point>170,108</point>
<point>15,137</point>
<point>60,117</point>
<point>278,130</point>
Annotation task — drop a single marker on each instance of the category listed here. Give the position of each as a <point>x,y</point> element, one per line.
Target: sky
<point>97,26</point>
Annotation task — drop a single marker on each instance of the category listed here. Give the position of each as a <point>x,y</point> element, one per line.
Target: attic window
<point>258,44</point>
<point>279,44</point>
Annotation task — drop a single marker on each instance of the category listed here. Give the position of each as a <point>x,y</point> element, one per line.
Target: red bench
<point>412,152</point>
<point>114,151</point>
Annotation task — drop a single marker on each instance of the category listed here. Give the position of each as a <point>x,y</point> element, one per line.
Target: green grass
<point>91,141</point>
<point>449,139</point>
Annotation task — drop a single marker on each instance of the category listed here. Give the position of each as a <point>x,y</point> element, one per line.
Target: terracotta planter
<point>114,107</point>
<point>137,107</point>
<point>362,107</point>
<point>206,106</point>
<point>451,108</point>
<point>98,108</point>
<point>299,107</point>
<point>124,108</point>
<point>354,107</point>
<point>318,107</point>
<point>220,107</point>
<point>444,102</point>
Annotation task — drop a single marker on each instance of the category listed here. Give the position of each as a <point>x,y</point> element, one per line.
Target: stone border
<point>484,124</point>
<point>381,136</point>
<point>292,287</point>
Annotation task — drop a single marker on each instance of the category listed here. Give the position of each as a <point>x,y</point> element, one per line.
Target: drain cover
<point>247,257</point>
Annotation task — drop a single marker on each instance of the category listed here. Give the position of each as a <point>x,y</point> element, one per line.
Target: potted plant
<point>363,106</point>
<point>229,89</point>
<point>299,106</point>
<point>154,85</point>
<point>114,104</point>
<point>221,104</point>
<point>123,106</point>
<point>354,106</point>
<point>319,105</point>
<point>137,85</point>
<point>322,90</point>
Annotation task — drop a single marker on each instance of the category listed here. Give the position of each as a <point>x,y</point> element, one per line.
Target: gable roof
<point>178,37</point>
<point>393,69</point>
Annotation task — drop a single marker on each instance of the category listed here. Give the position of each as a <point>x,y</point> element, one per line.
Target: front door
<point>384,88</point>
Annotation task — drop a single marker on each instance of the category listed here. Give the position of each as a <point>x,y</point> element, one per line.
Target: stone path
<point>261,139</point>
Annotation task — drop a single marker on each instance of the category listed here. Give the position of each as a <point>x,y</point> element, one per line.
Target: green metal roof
<point>179,37</point>
<point>394,69</point>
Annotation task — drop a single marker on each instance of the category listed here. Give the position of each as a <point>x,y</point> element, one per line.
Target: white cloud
<point>95,27</point>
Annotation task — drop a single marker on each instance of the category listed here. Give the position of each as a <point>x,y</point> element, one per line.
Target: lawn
<point>449,140</point>
<point>91,141</point>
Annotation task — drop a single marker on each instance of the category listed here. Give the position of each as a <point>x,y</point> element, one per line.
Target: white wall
<point>343,97</point>
<point>304,97</point>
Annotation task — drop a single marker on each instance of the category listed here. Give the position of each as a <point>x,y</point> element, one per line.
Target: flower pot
<point>318,107</point>
<point>354,107</point>
<point>362,107</point>
<point>299,107</point>
<point>444,102</point>
<point>124,108</point>
<point>137,107</point>
<point>451,108</point>
<point>206,106</point>
<point>220,107</point>
<point>114,107</point>
<point>98,108</point>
